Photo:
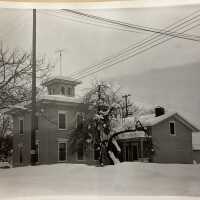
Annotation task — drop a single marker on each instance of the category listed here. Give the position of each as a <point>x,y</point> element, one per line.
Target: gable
<point>151,120</point>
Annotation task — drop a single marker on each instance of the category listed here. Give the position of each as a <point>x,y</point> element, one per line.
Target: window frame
<point>172,122</point>
<point>58,143</point>
<point>21,119</point>
<point>69,91</point>
<point>62,112</point>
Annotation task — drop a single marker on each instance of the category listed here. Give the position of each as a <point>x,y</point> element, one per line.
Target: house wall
<point>172,148</point>
<point>21,140</point>
<point>49,135</point>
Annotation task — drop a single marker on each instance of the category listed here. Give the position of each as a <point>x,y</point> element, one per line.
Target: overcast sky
<point>85,44</point>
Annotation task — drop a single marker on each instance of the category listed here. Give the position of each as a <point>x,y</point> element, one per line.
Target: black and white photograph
<point>100,100</point>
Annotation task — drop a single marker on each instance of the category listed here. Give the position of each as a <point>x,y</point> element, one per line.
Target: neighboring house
<point>171,137</point>
<point>57,115</point>
<point>196,146</point>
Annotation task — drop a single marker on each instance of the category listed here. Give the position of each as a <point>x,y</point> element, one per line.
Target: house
<point>172,137</point>
<point>57,116</point>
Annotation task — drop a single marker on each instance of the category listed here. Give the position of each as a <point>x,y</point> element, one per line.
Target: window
<point>69,91</point>
<point>172,128</point>
<point>80,152</point>
<point>63,90</point>
<point>21,126</point>
<point>79,120</point>
<point>62,151</point>
<point>62,120</point>
<point>37,152</point>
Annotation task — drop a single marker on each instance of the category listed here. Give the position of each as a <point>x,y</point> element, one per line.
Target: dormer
<point>61,85</point>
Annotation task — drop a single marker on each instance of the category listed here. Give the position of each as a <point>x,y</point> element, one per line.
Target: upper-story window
<point>172,128</point>
<point>21,126</point>
<point>69,91</point>
<point>63,90</point>
<point>62,120</point>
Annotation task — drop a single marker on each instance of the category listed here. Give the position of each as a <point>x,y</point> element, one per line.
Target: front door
<point>62,151</point>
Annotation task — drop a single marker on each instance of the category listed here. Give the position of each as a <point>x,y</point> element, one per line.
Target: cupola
<point>61,85</point>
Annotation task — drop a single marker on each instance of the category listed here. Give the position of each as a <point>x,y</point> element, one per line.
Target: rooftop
<point>151,120</point>
<point>131,135</point>
<point>61,79</point>
<point>59,98</point>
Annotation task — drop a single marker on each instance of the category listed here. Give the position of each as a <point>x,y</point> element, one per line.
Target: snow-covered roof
<point>151,120</point>
<point>196,140</point>
<point>48,98</point>
<point>59,98</point>
<point>64,79</point>
<point>131,135</point>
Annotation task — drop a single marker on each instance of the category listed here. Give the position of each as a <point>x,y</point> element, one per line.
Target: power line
<point>133,26</point>
<point>132,55</point>
<point>90,23</point>
<point>177,24</point>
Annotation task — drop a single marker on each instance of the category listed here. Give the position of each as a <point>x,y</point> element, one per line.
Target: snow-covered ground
<point>60,180</point>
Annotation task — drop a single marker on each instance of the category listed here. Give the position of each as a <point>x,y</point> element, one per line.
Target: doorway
<point>130,152</point>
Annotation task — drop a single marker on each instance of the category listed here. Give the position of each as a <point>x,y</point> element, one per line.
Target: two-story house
<point>57,114</point>
<point>171,137</point>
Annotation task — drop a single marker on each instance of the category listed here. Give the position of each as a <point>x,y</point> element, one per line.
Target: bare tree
<point>15,76</point>
<point>15,87</point>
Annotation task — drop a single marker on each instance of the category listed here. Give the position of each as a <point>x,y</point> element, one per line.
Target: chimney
<point>159,111</point>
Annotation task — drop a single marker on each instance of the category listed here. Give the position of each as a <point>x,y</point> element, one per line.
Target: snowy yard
<point>123,179</point>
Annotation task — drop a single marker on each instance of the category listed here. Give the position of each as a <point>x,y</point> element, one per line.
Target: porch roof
<point>131,135</point>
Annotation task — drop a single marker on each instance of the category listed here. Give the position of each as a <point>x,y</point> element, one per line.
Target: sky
<point>86,42</point>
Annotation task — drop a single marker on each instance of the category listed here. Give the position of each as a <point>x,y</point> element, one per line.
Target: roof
<point>151,120</point>
<point>59,98</point>
<point>61,79</point>
<point>131,135</point>
<point>45,98</point>
<point>196,140</point>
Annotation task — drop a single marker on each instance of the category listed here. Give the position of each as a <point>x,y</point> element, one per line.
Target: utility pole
<point>126,105</point>
<point>60,51</point>
<point>33,114</point>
